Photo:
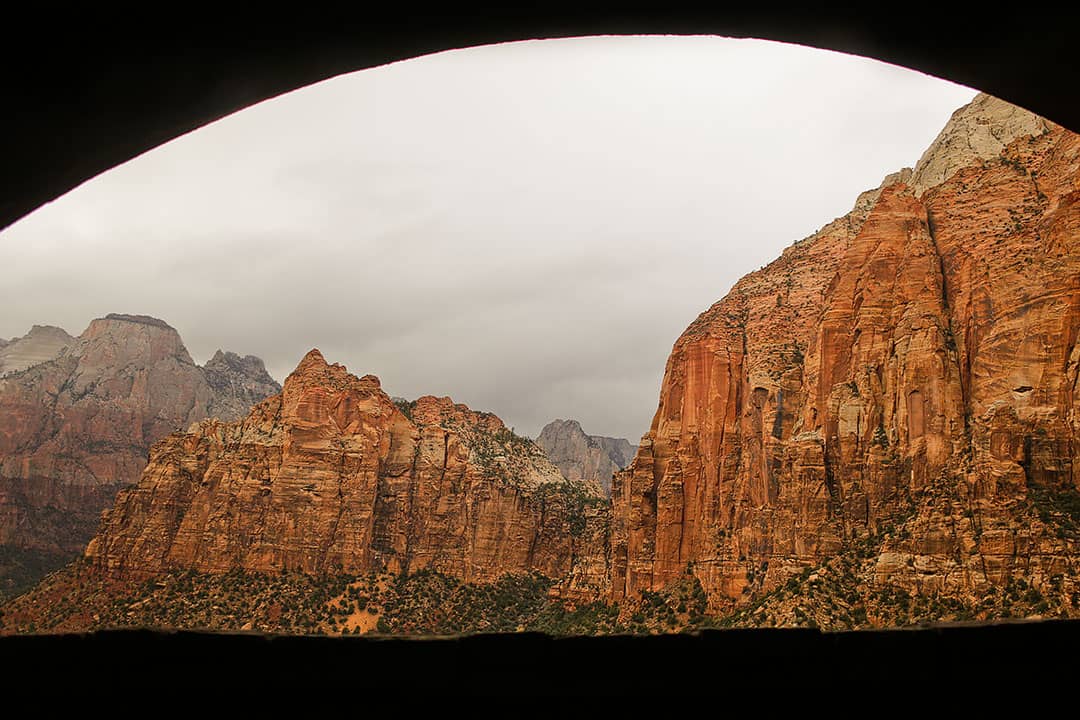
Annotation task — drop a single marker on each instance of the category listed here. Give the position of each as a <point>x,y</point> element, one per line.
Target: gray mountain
<point>41,344</point>
<point>78,417</point>
<point>580,456</point>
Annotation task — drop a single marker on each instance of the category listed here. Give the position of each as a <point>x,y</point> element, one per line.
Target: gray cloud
<point>525,227</point>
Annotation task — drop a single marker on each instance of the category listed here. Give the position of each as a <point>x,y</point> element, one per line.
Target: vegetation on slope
<point>839,594</point>
<point>842,593</point>
<point>422,603</point>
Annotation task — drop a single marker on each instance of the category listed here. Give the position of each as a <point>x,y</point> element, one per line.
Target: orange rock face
<point>332,474</point>
<point>919,338</point>
<point>77,427</point>
<point>894,402</point>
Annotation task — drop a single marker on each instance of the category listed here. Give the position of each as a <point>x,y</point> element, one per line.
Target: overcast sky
<point>524,227</point>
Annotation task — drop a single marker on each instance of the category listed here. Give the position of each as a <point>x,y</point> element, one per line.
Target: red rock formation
<point>332,474</point>
<point>893,401</point>
<point>76,428</point>
<point>915,339</point>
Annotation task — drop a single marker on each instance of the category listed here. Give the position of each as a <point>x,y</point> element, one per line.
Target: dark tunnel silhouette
<point>86,93</point>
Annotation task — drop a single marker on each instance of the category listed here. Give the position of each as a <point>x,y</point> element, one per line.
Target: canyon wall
<point>77,426</point>
<point>897,395</point>
<point>929,336</point>
<point>334,475</point>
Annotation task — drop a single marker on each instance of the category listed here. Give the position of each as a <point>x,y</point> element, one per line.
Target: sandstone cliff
<point>333,475</point>
<point>923,346</point>
<point>880,427</point>
<point>77,427</point>
<point>584,457</point>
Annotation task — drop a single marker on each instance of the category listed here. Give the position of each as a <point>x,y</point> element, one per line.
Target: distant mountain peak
<point>41,344</point>
<point>78,416</point>
<point>139,319</point>
<point>579,455</point>
<point>250,365</point>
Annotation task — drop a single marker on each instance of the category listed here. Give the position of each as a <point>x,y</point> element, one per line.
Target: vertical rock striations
<point>584,457</point>
<point>332,474</point>
<point>929,336</point>
<point>881,425</point>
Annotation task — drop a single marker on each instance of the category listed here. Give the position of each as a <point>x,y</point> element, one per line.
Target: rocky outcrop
<point>76,428</point>
<point>579,456</point>
<point>237,384</point>
<point>976,133</point>
<point>929,337</point>
<point>333,475</point>
<point>879,427</point>
<point>41,344</point>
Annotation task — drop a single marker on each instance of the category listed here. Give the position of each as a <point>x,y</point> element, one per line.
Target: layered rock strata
<point>334,475</point>
<point>888,411</point>
<point>77,427</point>
<point>929,336</point>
